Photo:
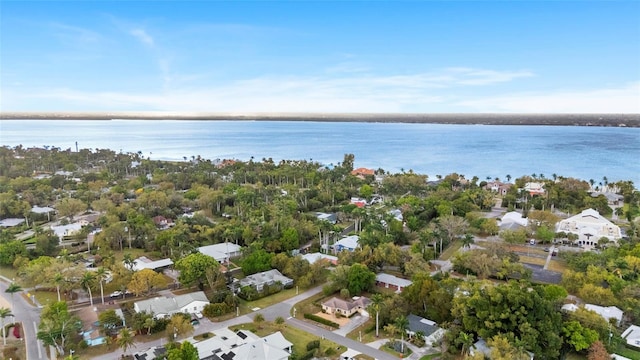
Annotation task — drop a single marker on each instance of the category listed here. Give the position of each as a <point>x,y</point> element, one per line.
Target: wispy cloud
<point>142,36</point>
<point>74,35</point>
<point>623,99</point>
<point>437,91</point>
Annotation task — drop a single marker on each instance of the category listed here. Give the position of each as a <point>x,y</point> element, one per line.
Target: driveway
<point>355,321</point>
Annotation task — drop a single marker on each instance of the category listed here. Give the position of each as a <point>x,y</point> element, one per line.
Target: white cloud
<point>142,36</point>
<point>624,99</point>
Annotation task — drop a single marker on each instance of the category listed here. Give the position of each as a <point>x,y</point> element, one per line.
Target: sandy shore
<point>616,120</point>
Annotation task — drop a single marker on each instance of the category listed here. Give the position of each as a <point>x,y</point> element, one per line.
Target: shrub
<point>315,344</point>
<point>321,320</point>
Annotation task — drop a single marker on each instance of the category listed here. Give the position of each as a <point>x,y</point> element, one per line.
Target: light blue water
<point>432,149</point>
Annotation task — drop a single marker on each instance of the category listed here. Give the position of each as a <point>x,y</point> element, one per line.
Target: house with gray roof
<point>266,278</point>
<point>430,330</point>
<point>346,308</point>
<point>164,307</point>
<point>221,252</point>
<point>389,281</point>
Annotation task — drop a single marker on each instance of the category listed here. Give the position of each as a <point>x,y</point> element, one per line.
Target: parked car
<point>116,294</point>
<point>199,315</point>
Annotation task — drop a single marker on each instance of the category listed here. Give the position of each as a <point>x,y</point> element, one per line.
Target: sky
<point>325,56</point>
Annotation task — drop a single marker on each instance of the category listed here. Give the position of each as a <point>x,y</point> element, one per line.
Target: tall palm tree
<point>402,324</point>
<point>376,302</point>
<point>12,289</point>
<point>125,339</point>
<point>101,274</point>
<point>87,281</point>
<point>4,313</point>
<point>58,280</point>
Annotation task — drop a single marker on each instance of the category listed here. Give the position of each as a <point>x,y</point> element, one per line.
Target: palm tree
<point>125,339</point>
<point>101,274</point>
<point>4,313</point>
<point>149,323</point>
<point>402,324</point>
<point>258,320</point>
<point>128,261</point>
<point>467,240</point>
<point>58,280</point>
<point>376,301</point>
<point>12,289</point>
<point>87,281</point>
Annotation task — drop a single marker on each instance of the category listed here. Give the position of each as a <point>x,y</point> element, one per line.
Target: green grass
<point>308,306</point>
<point>430,357</point>
<point>8,272</point>
<point>367,337</point>
<point>46,297</point>
<point>558,266</point>
<point>395,353</point>
<point>449,251</point>
<point>532,260</point>
<point>626,352</point>
<point>272,299</point>
<point>298,338</point>
<point>574,356</point>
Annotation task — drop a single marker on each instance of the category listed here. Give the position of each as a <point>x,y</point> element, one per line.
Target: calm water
<point>472,150</point>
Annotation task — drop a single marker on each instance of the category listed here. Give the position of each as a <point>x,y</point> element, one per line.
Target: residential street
<point>281,309</point>
<point>29,315</point>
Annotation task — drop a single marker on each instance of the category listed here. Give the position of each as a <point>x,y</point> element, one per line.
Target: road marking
<point>35,328</point>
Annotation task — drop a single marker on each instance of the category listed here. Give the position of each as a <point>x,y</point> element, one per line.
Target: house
<point>389,281</point>
<point>145,263</point>
<point>349,243</point>
<point>590,227</point>
<point>331,218</point>
<point>242,345</point>
<point>346,307</point>
<point>482,347</point>
<point>432,333</point>
<point>221,252</point>
<point>607,312</point>
<point>498,187</point>
<point>62,231</point>
<point>362,172</point>
<point>156,352</point>
<point>10,222</point>
<point>43,211</point>
<point>266,278</point>
<point>632,336</point>
<point>534,188</point>
<point>162,222</point>
<point>315,257</point>
<point>164,307</point>
<point>513,220</point>
<point>613,199</point>
<point>359,202</point>
<point>90,331</point>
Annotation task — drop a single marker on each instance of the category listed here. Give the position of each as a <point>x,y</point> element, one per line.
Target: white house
<point>590,226</point>
<point>164,307</point>
<point>607,312</point>
<point>349,243</point>
<point>389,281</point>
<point>314,257</point>
<point>512,221</point>
<point>632,336</point>
<point>243,345</point>
<point>221,252</point>
<point>66,230</point>
<point>260,280</point>
<point>534,188</point>
<point>145,263</point>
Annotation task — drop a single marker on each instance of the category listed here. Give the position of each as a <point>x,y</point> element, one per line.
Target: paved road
<point>270,313</point>
<point>29,315</point>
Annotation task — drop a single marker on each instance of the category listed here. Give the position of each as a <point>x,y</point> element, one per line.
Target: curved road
<point>29,315</point>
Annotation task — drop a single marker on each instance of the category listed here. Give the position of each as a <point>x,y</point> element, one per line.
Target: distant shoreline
<point>607,120</point>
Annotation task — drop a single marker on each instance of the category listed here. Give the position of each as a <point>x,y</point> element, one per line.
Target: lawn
<point>430,357</point>
<point>308,305</point>
<point>367,336</point>
<point>8,272</point>
<point>626,352</point>
<point>557,266</point>
<point>532,260</point>
<point>271,299</point>
<point>449,251</point>
<point>298,338</point>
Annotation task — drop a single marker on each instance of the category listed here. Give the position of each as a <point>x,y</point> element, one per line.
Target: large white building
<point>590,227</point>
<point>221,252</point>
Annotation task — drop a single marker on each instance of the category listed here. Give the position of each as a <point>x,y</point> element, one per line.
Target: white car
<point>198,314</point>
<point>116,294</point>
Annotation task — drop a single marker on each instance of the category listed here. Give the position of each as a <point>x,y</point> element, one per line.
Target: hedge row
<point>321,320</point>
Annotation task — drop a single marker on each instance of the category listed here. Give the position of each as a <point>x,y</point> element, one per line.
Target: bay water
<point>433,149</point>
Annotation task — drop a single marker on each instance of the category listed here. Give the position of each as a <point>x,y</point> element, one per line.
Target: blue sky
<point>300,56</point>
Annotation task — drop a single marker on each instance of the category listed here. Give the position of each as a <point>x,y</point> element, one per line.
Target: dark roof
<point>242,335</point>
<point>417,323</point>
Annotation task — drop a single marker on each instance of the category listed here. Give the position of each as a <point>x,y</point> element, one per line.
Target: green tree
<point>258,319</point>
<point>186,351</point>
<point>4,313</point>
<point>10,250</point>
<point>179,325</point>
<point>359,279</point>
<point>577,336</point>
<point>193,268</point>
<point>376,303</point>
<point>257,261</point>
<point>109,322</point>
<point>402,324</point>
<point>57,325</point>
<point>145,281</point>
<point>101,275</point>
<point>125,339</point>
<point>70,207</point>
